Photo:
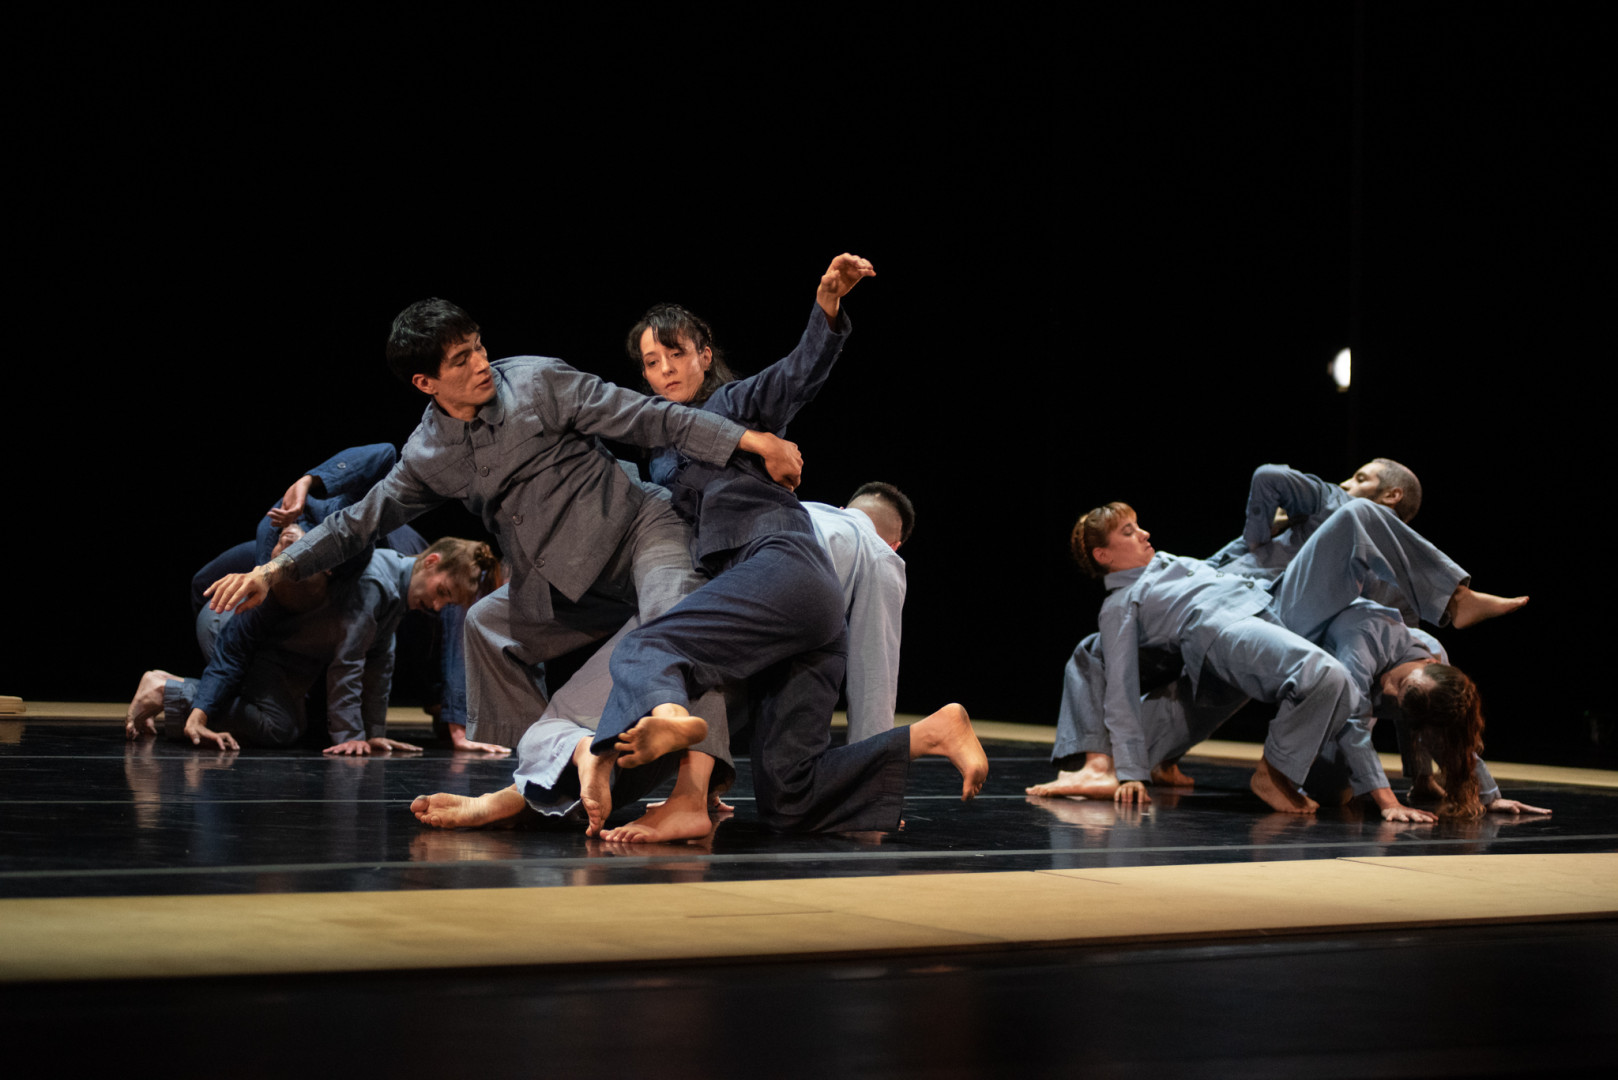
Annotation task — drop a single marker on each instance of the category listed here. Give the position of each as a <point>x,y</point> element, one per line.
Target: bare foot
<point>1096,780</point>
<point>464,812</point>
<point>668,730</point>
<point>1278,792</point>
<point>595,783</point>
<point>147,705</point>
<point>673,819</point>
<point>948,733</point>
<point>1083,784</point>
<point>1168,774</point>
<point>1467,607</point>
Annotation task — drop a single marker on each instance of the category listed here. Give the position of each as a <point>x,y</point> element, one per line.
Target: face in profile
<point>1365,483</point>
<point>464,380</point>
<point>1128,546</point>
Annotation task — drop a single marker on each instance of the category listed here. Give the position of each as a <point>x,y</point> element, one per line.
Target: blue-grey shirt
<point>351,636</point>
<point>1171,602</point>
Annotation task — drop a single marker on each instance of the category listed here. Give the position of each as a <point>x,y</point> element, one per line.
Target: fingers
<point>354,748</point>
<point>1131,793</point>
<point>483,747</point>
<point>395,744</point>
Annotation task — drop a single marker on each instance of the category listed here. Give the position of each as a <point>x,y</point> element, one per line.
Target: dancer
<point>553,754</point>
<point>516,442</point>
<point>1284,508</point>
<point>1257,643</point>
<point>266,659</point>
<point>771,614</point>
<point>863,541</point>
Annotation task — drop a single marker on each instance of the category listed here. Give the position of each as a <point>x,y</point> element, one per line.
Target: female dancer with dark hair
<point>771,615</point>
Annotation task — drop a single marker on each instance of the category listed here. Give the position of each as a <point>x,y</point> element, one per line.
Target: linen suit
<point>1223,624</point>
<point>587,547</point>
<point>772,614</point>
<point>266,659</point>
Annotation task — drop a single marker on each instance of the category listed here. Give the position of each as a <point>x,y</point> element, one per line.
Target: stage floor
<point>194,880</point>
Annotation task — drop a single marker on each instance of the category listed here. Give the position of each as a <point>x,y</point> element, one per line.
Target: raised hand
<point>842,275</point>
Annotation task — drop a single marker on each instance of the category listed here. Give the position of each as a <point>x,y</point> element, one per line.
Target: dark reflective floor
<point>82,813</point>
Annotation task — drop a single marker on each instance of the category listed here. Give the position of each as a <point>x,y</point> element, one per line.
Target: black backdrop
<point>1115,253</point>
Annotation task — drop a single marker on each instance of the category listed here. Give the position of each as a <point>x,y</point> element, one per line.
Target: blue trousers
<point>773,616</point>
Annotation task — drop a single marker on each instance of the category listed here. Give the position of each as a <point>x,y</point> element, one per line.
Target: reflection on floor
<point>84,815</point>
<point>156,818</point>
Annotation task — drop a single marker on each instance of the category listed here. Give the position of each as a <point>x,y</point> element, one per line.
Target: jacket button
<point>483,471</point>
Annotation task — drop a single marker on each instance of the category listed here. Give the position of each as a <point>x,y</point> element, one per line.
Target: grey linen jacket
<point>530,465</point>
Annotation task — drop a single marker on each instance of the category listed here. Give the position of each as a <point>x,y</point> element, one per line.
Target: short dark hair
<point>670,323</point>
<point>422,333</point>
<point>1395,475</point>
<point>892,498</point>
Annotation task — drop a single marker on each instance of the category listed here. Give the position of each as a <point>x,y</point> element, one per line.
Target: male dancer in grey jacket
<point>516,441</point>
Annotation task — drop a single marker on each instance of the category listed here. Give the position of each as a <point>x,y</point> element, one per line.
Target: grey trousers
<point>507,641</point>
<point>1362,549</point>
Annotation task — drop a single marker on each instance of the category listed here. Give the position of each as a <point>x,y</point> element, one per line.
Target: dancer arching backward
<point>772,614</point>
<point>1234,628</point>
<point>1284,508</point>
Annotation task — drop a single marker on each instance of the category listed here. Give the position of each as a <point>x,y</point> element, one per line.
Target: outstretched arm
<point>841,276</point>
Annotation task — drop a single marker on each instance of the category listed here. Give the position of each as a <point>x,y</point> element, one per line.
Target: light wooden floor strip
<point>172,936</point>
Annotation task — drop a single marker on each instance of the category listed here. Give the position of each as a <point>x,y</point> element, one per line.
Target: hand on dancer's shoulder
<point>239,592</point>
<point>842,275</point>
